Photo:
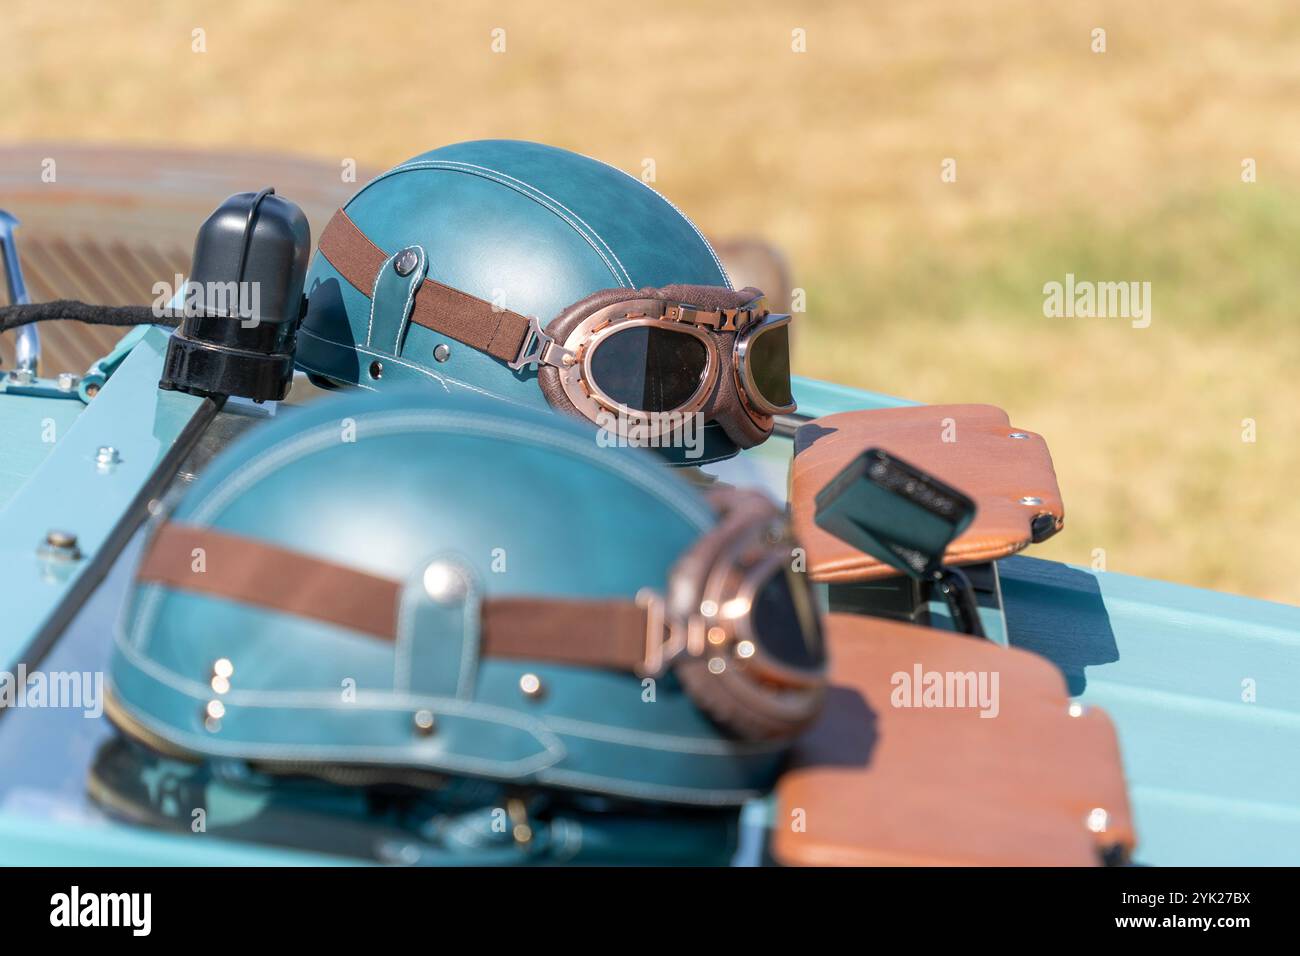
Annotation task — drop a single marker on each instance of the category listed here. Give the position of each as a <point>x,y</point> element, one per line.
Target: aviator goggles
<point>645,356</point>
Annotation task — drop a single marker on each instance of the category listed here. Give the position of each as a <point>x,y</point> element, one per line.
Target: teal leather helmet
<point>550,280</point>
<point>468,588</point>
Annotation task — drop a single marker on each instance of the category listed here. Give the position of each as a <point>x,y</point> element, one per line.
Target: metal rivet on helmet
<point>212,714</point>
<point>531,685</point>
<point>406,261</point>
<point>424,723</point>
<point>444,582</point>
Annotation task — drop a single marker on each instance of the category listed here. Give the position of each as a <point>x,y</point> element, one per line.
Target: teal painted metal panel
<point>30,427</point>
<point>1214,779</point>
<point>826,398</point>
<point>767,466</point>
<point>70,491</point>
<point>1214,775</point>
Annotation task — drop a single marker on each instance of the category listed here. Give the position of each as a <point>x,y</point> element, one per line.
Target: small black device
<point>243,301</point>
<point>901,515</point>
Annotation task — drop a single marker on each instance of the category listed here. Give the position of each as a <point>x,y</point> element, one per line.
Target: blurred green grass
<point>1215,259</point>
<point>1145,425</point>
<point>1123,165</point>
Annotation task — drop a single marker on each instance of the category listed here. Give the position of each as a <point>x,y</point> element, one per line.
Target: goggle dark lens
<point>649,369</point>
<point>785,621</point>
<point>768,356</point>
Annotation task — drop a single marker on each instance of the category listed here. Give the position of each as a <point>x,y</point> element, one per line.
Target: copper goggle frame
<point>721,609</point>
<point>573,357</point>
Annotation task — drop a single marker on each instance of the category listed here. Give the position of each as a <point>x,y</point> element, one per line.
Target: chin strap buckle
<point>538,348</point>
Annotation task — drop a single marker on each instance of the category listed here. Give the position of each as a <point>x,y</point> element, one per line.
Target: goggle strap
<point>517,340</point>
<point>475,322</point>
<point>718,320</point>
<point>608,634</point>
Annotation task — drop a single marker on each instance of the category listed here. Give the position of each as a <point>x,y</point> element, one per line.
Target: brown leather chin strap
<point>608,634</point>
<point>450,312</point>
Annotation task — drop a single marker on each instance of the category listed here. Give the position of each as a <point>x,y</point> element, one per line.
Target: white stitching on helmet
<point>413,283</point>
<point>690,222</point>
<point>404,700</point>
<point>387,423</point>
<point>627,276</point>
<point>579,226</point>
<point>406,630</point>
<point>374,294</point>
<point>433,421</point>
<point>440,379</point>
<point>707,245</point>
<point>370,753</point>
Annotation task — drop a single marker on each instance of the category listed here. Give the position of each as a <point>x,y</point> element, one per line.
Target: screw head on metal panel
<point>60,545</point>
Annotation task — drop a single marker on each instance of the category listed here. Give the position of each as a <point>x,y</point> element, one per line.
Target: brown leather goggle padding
<point>873,784</point>
<point>983,461</point>
<point>724,405</point>
<point>548,377</point>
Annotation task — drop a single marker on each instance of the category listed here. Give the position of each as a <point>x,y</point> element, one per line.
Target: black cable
<point>13,316</point>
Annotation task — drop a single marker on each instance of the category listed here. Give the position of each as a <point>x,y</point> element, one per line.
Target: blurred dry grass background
<point>1124,165</point>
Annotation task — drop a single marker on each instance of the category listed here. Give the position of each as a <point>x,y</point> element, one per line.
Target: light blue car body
<point>1204,688</point>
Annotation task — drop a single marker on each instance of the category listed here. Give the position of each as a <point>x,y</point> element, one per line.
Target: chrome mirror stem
<point>27,348</point>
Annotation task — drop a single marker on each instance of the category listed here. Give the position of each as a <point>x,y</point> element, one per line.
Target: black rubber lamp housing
<point>243,301</point>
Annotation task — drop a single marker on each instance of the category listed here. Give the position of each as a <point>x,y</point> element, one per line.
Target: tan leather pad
<point>876,784</point>
<point>983,461</point>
